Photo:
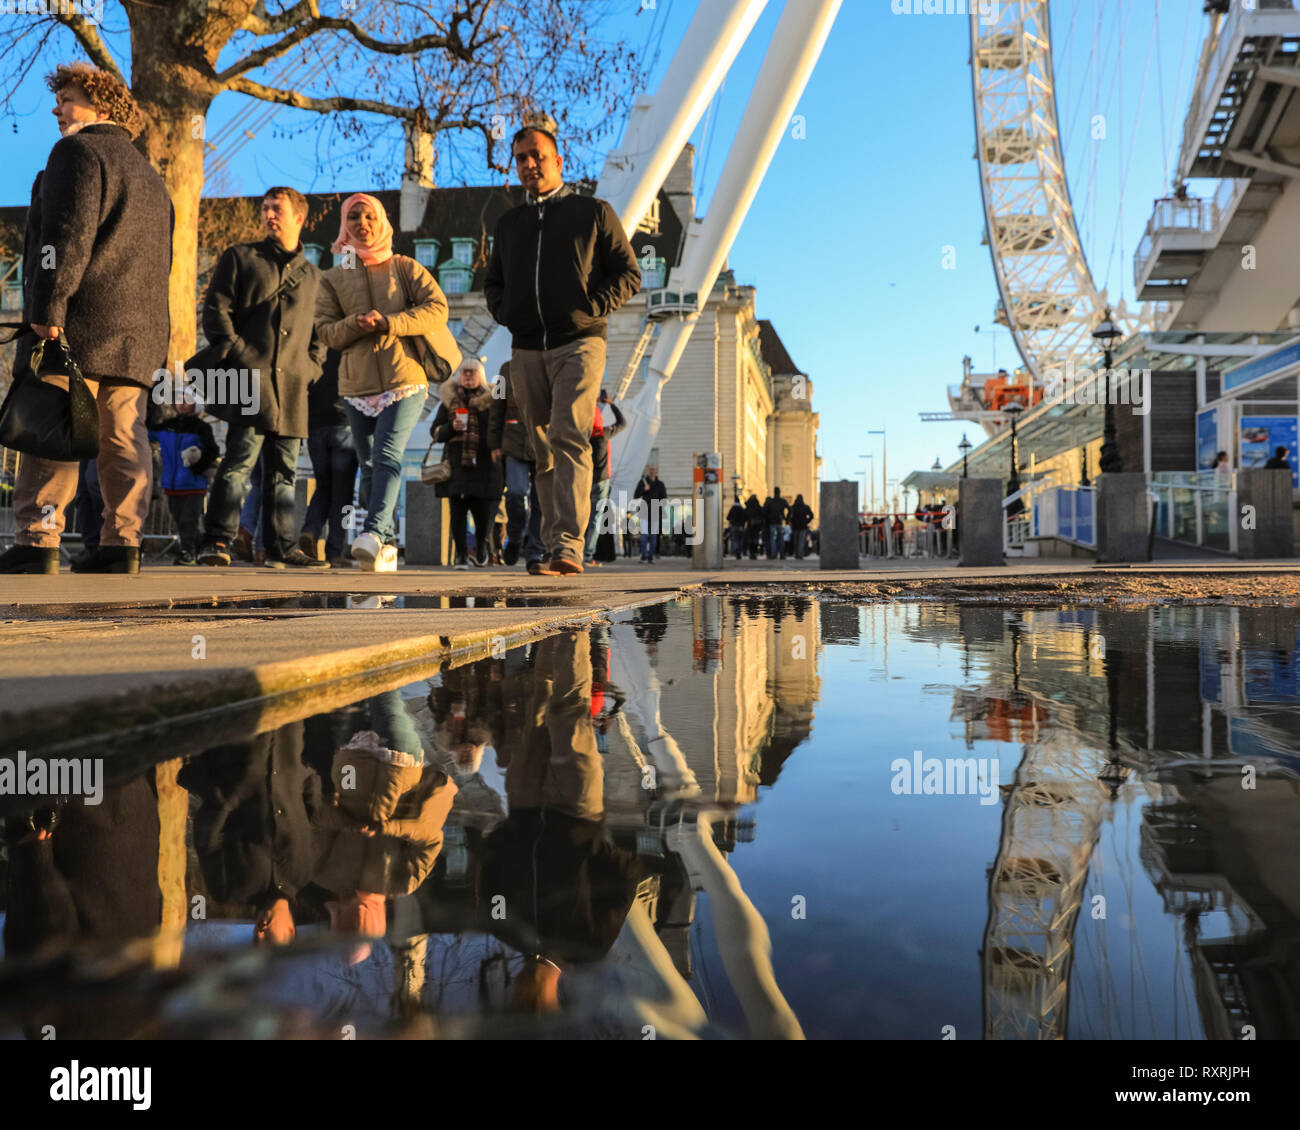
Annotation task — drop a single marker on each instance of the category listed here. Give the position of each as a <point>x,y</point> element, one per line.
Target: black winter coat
<point>246,329</point>
<point>800,515</point>
<point>559,269</point>
<point>98,252</point>
<point>485,479</point>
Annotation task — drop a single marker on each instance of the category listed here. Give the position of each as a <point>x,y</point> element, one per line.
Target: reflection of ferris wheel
<point>1047,297</point>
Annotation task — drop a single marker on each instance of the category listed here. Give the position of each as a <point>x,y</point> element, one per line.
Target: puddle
<point>310,601</point>
<point>1021,823</point>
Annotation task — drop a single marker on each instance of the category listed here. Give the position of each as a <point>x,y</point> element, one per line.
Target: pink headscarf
<point>380,248</point>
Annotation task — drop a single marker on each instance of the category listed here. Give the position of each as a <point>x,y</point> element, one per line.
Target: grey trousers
<point>556,390</point>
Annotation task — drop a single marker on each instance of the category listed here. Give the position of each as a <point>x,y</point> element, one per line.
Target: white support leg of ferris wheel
<point>796,45</point>
<point>660,125</point>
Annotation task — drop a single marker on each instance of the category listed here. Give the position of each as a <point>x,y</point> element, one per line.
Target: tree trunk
<point>173,142</point>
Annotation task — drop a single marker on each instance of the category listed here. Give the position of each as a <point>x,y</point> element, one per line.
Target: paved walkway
<point>108,652</point>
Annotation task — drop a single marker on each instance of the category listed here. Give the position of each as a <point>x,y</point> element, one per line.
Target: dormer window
<point>462,250</point>
<point>426,252</point>
<point>455,277</point>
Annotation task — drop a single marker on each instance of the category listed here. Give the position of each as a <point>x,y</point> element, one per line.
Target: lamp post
<point>964,447</point>
<point>872,480</point>
<point>884,463</point>
<point>1013,410</point>
<point>1105,335</point>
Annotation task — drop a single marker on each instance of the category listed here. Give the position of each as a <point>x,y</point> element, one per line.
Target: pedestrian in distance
<point>384,313</point>
<point>96,258</point>
<point>652,494</point>
<point>576,244</point>
<point>1279,462</point>
<point>334,467</point>
<point>800,516</point>
<point>736,527</point>
<point>257,317</point>
<point>464,425</point>
<point>601,434</point>
<point>188,449</point>
<point>523,512</point>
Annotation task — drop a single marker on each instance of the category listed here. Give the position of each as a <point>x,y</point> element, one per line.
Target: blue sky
<point>845,238</point>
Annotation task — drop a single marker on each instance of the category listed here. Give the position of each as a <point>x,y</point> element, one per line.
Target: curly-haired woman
<point>95,268</point>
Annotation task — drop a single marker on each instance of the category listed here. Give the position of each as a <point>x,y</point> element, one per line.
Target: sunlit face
<point>280,221</point>
<point>73,108</point>
<point>363,222</point>
<point>539,164</point>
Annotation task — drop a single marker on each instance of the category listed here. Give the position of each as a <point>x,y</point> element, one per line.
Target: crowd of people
<point>351,360</point>
<point>776,527</point>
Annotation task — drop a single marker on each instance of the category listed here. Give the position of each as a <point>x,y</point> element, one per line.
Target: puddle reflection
<point>1021,823</point>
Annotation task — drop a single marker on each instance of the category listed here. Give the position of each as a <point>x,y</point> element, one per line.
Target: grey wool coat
<point>98,252</point>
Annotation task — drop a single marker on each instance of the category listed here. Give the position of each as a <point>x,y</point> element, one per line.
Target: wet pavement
<point>715,816</point>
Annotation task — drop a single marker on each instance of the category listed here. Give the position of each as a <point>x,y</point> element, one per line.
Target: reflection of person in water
<point>651,625</point>
<point>85,876</point>
<point>382,833</point>
<point>466,711</point>
<point>252,832</point>
<point>550,885</point>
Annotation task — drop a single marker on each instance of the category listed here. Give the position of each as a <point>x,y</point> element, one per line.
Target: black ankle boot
<point>110,559</point>
<point>29,559</point>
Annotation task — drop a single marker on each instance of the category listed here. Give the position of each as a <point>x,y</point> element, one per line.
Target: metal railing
<point>1198,215</point>
<point>1195,508</point>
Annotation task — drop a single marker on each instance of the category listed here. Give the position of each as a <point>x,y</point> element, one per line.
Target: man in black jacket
<point>577,245</point>
<point>652,493</point>
<point>775,510</point>
<point>96,258</point>
<point>258,318</point>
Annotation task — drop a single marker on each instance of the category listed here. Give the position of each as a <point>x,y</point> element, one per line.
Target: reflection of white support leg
<point>631,672</point>
<point>743,940</point>
<point>662,998</point>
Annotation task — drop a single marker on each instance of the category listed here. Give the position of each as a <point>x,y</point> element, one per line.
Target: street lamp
<point>872,480</point>
<point>964,447</point>
<point>1105,335</point>
<point>937,466</point>
<point>884,462</point>
<point>1017,507</point>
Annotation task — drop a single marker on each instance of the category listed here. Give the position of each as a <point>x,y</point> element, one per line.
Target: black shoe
<point>185,557</point>
<point>297,559</point>
<point>110,559</point>
<point>29,559</point>
<point>511,555</point>
<point>214,553</point>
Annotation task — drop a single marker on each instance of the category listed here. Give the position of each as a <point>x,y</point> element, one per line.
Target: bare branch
<point>88,36</point>
<point>259,23</point>
<point>320,105</point>
<point>450,43</point>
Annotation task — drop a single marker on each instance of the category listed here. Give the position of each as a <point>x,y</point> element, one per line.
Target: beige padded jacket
<point>374,362</point>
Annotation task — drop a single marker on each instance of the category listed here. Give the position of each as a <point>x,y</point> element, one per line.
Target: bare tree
<point>456,69</point>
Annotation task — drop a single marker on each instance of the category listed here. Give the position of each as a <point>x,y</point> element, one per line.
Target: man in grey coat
<point>258,318</point>
<point>96,259</point>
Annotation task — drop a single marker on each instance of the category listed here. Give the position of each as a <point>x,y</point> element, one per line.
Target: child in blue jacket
<point>188,449</point>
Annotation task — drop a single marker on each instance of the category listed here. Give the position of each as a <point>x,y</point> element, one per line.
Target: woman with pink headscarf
<point>372,307</point>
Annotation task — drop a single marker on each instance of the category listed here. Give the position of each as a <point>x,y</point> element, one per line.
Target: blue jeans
<point>775,540</point>
<point>245,447</point>
<point>649,544</point>
<point>334,463</point>
<point>599,494</point>
<point>380,441</point>
<point>250,514</point>
<point>523,514</point>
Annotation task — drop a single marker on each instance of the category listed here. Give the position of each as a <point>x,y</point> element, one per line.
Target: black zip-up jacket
<point>558,269</point>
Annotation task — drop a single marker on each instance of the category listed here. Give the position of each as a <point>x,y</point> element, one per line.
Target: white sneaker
<point>366,548</point>
<point>386,562</point>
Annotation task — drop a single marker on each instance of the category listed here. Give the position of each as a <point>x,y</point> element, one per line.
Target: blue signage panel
<point>1207,438</point>
<point>1263,435</point>
<point>1268,365</point>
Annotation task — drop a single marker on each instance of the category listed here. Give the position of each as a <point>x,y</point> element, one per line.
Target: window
<point>654,273</point>
<point>313,253</point>
<point>462,250</point>
<point>426,252</point>
<point>787,452</point>
<point>454,277</point>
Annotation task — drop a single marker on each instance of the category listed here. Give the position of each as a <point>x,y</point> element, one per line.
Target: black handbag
<point>38,418</point>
